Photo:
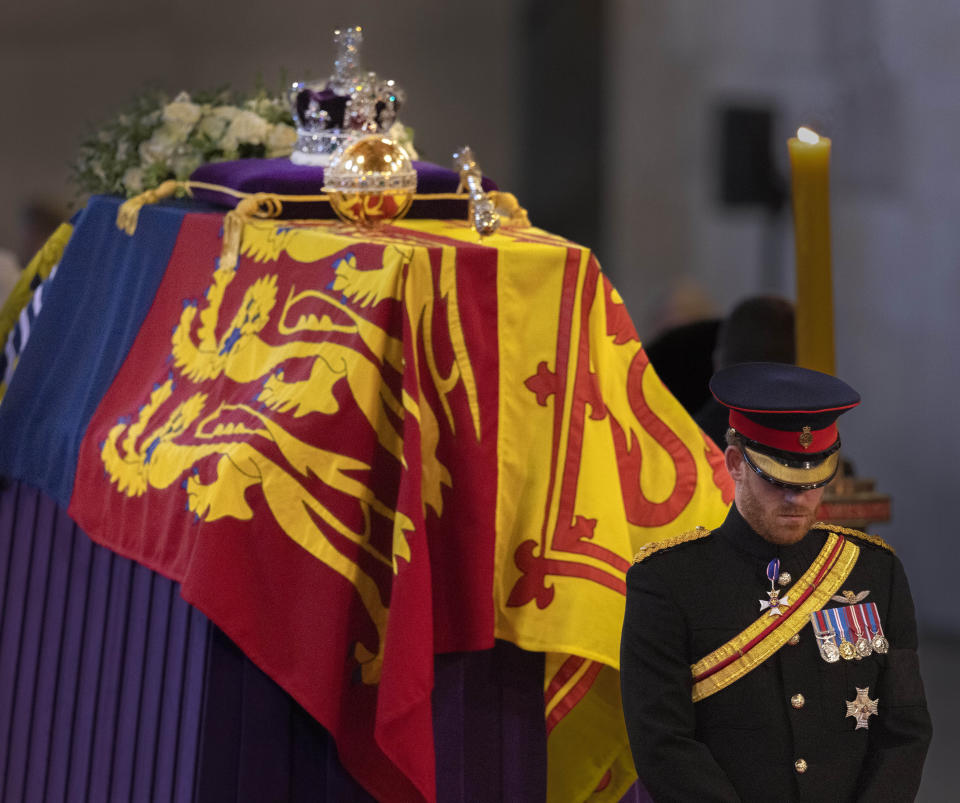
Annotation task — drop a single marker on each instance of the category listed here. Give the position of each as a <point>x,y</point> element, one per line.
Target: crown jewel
<point>349,103</point>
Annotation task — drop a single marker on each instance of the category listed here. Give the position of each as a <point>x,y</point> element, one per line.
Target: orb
<point>370,181</point>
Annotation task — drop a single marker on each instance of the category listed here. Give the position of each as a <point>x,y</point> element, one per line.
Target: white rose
<point>180,117</point>
<point>248,127</point>
<point>226,112</point>
<point>159,148</point>
<point>133,179</point>
<point>213,125</point>
<point>280,140</point>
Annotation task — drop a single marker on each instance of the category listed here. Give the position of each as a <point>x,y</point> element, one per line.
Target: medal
<point>828,650</point>
<point>862,644</point>
<point>826,637</point>
<point>847,651</point>
<point>861,708</point>
<point>878,640</point>
<point>774,601</point>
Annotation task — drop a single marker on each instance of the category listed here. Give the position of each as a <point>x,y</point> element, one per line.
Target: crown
<point>350,103</point>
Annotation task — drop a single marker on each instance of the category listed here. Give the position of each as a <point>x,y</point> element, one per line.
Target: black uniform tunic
<point>781,732</point>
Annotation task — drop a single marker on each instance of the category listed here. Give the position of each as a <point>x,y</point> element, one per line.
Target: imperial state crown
<point>350,102</point>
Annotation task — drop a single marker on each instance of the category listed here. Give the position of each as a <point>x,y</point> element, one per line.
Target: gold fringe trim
<point>655,546</point>
<point>876,540</point>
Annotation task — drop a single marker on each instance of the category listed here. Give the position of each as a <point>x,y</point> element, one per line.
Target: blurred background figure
<point>684,336</point>
<point>9,273</point>
<point>39,218</point>
<point>683,358</point>
<point>758,329</point>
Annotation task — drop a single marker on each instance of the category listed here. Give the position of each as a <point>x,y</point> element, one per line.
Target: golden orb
<point>371,181</point>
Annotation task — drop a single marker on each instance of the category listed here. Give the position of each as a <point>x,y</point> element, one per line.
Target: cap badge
<point>806,438</point>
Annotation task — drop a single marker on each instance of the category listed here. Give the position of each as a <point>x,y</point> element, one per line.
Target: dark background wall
<point>603,118</point>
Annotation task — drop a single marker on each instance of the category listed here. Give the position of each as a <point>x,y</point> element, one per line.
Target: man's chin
<point>792,536</point>
<point>789,529</point>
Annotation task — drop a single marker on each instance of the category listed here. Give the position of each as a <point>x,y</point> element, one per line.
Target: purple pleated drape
<point>101,667</point>
<point>112,688</point>
<point>258,744</point>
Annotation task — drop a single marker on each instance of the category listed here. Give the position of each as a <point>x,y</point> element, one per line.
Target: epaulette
<point>876,540</point>
<point>656,546</point>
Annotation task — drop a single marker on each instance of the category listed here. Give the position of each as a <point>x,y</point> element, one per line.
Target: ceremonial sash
<point>750,648</point>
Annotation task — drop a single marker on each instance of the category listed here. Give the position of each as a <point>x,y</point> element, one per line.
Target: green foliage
<point>156,138</point>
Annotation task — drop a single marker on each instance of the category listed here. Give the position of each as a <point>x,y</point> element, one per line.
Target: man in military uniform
<point>774,659</point>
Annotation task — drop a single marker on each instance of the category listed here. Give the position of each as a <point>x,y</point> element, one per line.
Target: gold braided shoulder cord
<point>655,546</point>
<point>876,540</point>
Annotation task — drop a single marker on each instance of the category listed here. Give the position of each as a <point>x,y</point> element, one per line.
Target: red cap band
<point>815,440</point>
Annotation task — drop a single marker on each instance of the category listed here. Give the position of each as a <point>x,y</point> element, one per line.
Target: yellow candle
<point>810,168</point>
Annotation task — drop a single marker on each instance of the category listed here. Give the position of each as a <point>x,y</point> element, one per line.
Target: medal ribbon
<point>842,628</point>
<point>821,624</point>
<point>750,648</point>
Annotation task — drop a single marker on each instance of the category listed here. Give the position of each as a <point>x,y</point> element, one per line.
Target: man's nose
<point>795,494</point>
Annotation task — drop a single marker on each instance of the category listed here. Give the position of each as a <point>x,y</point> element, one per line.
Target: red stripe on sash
<point>831,560</point>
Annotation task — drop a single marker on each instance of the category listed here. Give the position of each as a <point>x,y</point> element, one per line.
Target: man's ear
<point>733,458</point>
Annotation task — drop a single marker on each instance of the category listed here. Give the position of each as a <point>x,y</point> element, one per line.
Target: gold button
<point>794,640</point>
<point>797,701</point>
<point>800,765</point>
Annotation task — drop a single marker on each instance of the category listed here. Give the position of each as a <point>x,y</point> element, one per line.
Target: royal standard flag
<point>595,459</point>
<point>356,449</point>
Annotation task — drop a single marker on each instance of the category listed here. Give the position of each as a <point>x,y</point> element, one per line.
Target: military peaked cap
<point>786,416</point>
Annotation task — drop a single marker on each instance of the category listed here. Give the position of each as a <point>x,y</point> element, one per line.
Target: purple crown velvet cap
<point>283,177</point>
<point>310,102</point>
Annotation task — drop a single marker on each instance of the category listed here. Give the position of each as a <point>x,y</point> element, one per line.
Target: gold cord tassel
<point>506,204</point>
<point>261,205</point>
<point>129,211</point>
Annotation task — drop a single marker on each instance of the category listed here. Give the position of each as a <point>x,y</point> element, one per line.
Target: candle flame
<point>807,135</point>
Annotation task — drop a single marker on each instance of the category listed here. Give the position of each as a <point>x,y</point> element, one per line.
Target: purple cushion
<point>283,177</point>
